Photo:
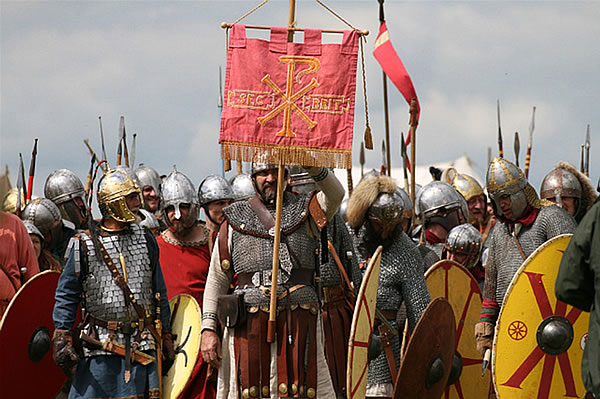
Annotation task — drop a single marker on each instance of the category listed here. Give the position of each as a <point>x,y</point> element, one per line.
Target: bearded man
<point>113,272</point>
<point>294,365</point>
<point>524,223</point>
<point>476,199</point>
<point>184,257</point>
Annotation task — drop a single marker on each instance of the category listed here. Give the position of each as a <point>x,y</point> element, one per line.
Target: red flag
<point>290,102</point>
<point>394,68</point>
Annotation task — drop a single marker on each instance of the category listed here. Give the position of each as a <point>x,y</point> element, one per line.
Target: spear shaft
<point>529,144</point>
<point>362,159</point>
<point>102,141</point>
<point>21,189</point>
<point>404,157</point>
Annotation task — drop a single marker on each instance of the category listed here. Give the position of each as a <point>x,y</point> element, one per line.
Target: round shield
<point>539,340</point>
<point>448,279</point>
<point>426,364</point>
<point>185,326</point>
<point>25,333</point>
<point>362,327</point>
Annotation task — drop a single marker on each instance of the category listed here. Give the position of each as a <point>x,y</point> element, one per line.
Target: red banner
<point>293,102</point>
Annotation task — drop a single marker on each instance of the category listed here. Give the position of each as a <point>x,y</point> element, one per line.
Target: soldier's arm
<point>331,191</point>
<point>575,280</point>
<point>217,283</point>
<point>558,222</point>
<point>68,295</point>
<point>415,292</point>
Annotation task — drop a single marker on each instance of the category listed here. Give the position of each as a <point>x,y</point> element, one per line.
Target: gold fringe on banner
<point>227,165</point>
<point>289,155</point>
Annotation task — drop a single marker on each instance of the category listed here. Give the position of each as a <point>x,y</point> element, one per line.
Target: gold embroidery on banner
<point>326,103</point>
<point>250,99</point>
<point>289,97</point>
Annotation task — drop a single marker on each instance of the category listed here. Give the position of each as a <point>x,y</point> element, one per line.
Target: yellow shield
<point>185,325</point>
<point>539,340</point>
<point>362,327</point>
<point>448,279</point>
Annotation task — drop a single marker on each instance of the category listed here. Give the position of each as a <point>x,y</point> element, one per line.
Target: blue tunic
<point>102,376</point>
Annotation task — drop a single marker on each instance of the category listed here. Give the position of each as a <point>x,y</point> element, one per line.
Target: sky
<point>64,63</point>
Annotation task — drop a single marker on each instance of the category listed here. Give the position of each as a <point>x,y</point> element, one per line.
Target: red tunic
<point>185,269</point>
<point>16,252</point>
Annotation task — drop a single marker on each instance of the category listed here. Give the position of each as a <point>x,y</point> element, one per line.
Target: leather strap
<point>317,212</point>
<point>519,246</point>
<point>224,254</point>
<point>262,213</point>
<point>386,340</point>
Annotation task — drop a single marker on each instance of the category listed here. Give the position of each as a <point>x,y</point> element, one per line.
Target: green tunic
<point>578,284</point>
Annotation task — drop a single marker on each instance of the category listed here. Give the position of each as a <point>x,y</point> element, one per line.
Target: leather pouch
<point>231,310</point>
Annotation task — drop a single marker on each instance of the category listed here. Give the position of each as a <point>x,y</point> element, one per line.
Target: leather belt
<point>390,315</point>
<point>333,293</point>
<point>118,325</point>
<point>298,277</point>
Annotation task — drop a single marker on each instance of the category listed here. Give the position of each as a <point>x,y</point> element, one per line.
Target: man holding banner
<point>284,103</point>
<point>245,247</point>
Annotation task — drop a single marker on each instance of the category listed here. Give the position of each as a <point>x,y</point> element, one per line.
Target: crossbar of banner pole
<point>225,25</point>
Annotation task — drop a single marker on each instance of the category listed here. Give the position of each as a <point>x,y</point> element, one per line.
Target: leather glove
<point>63,351</point>
<point>168,348</point>
<point>484,336</point>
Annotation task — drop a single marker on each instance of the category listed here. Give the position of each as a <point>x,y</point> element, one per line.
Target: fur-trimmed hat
<point>364,195</point>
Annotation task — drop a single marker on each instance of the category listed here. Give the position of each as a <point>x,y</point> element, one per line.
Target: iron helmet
<point>465,239</point>
<point>506,179</point>
<point>177,189</point>
<point>63,187</point>
<point>148,220</point>
<point>467,186</point>
<point>260,163</point>
<point>242,187</point>
<point>436,197</point>
<point>387,208</point>
<point>214,188</point>
<point>32,229</point>
<point>560,183</point>
<point>147,176</point>
<point>44,214</point>
<point>113,187</point>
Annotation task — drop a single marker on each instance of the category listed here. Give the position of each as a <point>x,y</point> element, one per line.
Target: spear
<point>517,147</point>
<point>93,154</point>
<point>501,152</point>
<point>404,157</point>
<point>362,159</point>
<point>104,158</point>
<point>32,170</point>
<point>587,151</point>
<point>133,150</point>
<point>21,189</point>
<point>122,149</point>
<point>581,165</point>
<point>489,155</point>
<point>529,143</point>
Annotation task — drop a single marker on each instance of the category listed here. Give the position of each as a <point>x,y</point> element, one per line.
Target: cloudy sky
<point>64,63</point>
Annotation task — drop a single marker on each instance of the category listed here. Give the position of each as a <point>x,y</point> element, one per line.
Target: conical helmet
<point>467,186</point>
<point>506,179</point>
<point>9,202</point>
<point>560,183</point>
<point>178,189</point>
<point>214,188</point>
<point>113,187</point>
<point>242,187</point>
<point>148,177</point>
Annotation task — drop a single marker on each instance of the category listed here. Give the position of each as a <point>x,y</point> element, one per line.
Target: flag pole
<point>385,103</point>
<point>272,323</point>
